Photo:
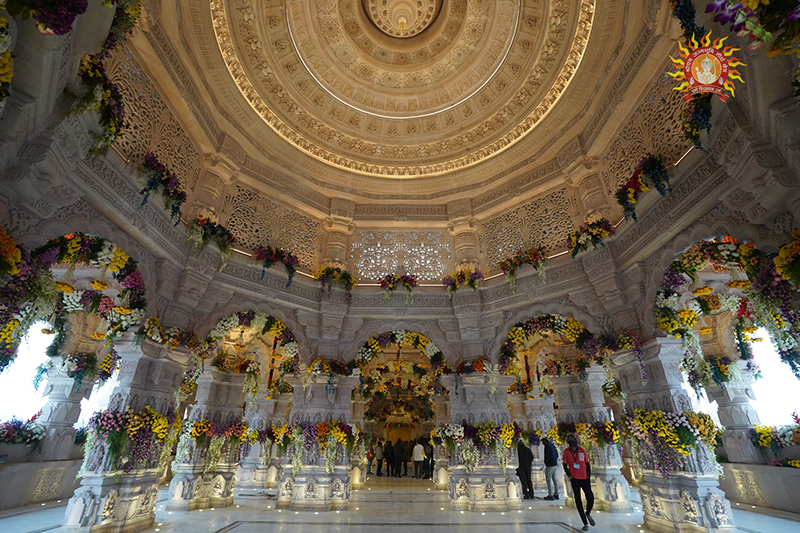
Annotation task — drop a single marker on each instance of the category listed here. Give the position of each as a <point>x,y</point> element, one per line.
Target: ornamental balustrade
<point>690,500</point>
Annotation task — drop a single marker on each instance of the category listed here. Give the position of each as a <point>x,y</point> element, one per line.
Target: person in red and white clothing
<point>579,473</point>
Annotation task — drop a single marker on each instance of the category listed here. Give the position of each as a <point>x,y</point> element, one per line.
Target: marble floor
<point>387,505</point>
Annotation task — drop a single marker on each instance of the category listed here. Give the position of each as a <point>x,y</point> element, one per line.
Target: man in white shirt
<point>419,457</point>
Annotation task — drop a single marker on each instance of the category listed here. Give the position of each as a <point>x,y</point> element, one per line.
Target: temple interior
<point>368,264</point>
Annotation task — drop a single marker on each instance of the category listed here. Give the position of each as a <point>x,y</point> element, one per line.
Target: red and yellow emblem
<point>706,68</point>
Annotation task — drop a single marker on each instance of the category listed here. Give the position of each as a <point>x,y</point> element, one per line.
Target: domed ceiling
<point>361,96</point>
<point>382,83</point>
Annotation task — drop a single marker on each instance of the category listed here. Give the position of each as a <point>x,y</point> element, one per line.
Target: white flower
<point>431,349</point>
<point>72,301</point>
<point>105,255</point>
<point>290,349</point>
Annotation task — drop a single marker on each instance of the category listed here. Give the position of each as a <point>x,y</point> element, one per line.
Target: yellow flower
<point>118,261</point>
<point>702,291</point>
<point>705,331</point>
<point>99,285</point>
<point>98,336</point>
<point>66,288</point>
<point>122,310</point>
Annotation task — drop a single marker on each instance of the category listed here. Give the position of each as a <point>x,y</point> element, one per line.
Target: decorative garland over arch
<point>284,342</point>
<point>401,337</point>
<point>764,299</point>
<point>32,293</point>
<point>592,348</point>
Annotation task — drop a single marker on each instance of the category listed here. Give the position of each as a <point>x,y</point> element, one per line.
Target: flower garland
<point>390,282</point>
<point>31,294</point>
<point>10,254</point>
<point>463,278</point>
<point>330,276</point>
<point>765,301</point>
<point>79,366</point>
<point>774,438</point>
<point>203,231</point>
<point>544,325</point>
<point>6,62</point>
<point>468,440</point>
<point>787,262</point>
<point>536,257</point>
<point>695,118</point>
<point>16,431</point>
<point>650,173</point>
<point>589,232</point>
<point>599,433</point>
<point>175,338</point>
<point>670,435</point>
<point>102,95</point>
<point>159,176</point>
<point>300,438</point>
<point>400,337</point>
<point>269,256</point>
<point>128,434</point>
<point>126,16</point>
<point>53,17</point>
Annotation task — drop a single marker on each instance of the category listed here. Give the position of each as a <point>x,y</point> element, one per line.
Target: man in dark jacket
<point>388,456</point>
<point>550,469</point>
<point>399,455</point>
<point>525,456</point>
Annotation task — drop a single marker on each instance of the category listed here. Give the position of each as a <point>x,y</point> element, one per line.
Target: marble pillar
<point>738,416</point>
<point>691,500</point>
<point>108,499</point>
<point>476,399</point>
<point>254,466</point>
<point>219,398</point>
<point>582,401</point>
<point>311,486</point>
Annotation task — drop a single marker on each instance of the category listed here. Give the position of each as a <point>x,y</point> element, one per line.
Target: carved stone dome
<point>402,18</point>
<point>367,86</point>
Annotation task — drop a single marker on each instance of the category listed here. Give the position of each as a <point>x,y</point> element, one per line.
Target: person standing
<point>550,469</point>
<point>388,456</point>
<point>408,450</point>
<point>525,457</point>
<point>419,459</point>
<point>378,458</point>
<point>579,472</point>
<point>370,457</point>
<point>428,463</point>
<point>399,454</point>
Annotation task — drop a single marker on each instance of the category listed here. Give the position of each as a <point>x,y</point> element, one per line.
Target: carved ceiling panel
<point>477,78</point>
<point>151,127</point>
<point>655,128</point>
<point>545,221</point>
<point>255,220</point>
<point>425,254</point>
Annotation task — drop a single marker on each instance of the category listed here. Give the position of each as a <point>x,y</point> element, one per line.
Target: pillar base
<point>486,489</point>
<point>315,490</point>
<point>685,504</point>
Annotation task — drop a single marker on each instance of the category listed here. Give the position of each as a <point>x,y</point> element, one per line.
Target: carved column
<point>735,412</point>
<point>691,500</point>
<point>738,417</point>
<point>108,499</point>
<point>219,399</point>
<point>464,229</point>
<point>475,399</point>
<point>209,198</point>
<point>339,226</point>
<point>538,413</point>
<point>318,399</point>
<point>254,467</point>
<point>582,401</point>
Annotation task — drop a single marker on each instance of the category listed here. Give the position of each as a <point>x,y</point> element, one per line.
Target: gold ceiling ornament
<point>325,118</point>
<point>402,18</point>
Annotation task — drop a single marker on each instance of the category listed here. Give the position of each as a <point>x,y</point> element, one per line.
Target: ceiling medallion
<point>311,74</point>
<point>402,18</point>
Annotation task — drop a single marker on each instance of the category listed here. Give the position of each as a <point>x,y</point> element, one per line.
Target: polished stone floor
<point>387,505</point>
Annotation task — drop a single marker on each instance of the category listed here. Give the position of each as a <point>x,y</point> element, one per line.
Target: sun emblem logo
<point>706,68</point>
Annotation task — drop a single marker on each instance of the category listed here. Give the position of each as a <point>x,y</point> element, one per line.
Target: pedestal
<point>313,489</point>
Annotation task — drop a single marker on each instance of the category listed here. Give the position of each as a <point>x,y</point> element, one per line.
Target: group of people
<point>576,466</point>
<point>397,456</point>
